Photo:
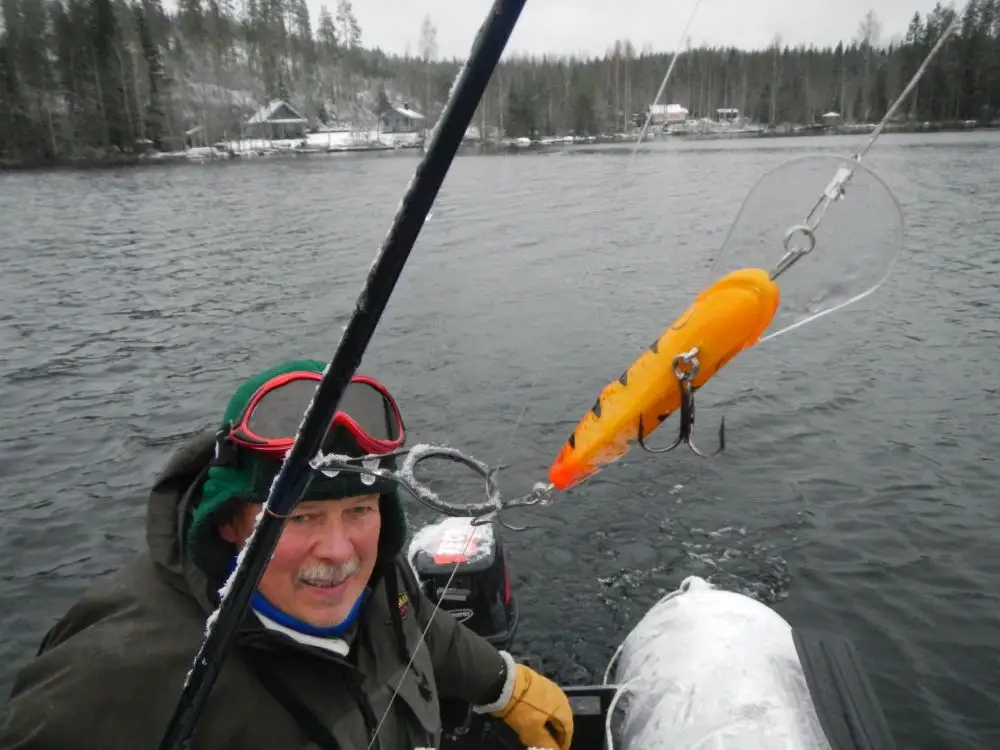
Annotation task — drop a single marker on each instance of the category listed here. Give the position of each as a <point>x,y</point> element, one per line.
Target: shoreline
<point>520,146</point>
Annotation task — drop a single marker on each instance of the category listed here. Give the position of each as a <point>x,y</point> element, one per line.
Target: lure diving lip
<point>726,318</point>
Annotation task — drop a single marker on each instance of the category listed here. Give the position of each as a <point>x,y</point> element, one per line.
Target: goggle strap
<point>226,451</point>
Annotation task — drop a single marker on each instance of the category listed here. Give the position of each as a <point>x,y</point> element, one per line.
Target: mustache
<point>328,574</point>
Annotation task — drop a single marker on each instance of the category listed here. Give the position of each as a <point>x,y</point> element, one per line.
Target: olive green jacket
<point>109,674</point>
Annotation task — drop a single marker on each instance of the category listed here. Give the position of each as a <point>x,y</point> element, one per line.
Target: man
<point>321,660</point>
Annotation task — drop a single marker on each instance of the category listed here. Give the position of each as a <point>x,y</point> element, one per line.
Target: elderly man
<point>321,658</point>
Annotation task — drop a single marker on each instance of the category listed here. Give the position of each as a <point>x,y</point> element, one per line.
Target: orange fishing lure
<point>726,318</point>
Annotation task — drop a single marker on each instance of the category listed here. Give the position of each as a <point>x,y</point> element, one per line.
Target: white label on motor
<point>454,542</point>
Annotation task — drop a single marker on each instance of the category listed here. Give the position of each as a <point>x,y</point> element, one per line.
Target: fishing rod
<point>295,475</point>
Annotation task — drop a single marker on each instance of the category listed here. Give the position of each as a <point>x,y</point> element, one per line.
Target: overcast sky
<point>591,26</point>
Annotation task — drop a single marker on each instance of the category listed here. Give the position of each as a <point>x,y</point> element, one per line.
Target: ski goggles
<point>271,419</point>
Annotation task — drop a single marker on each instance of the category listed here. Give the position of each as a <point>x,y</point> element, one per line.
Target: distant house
<point>667,114</point>
<point>832,118</point>
<point>402,120</point>
<point>277,120</point>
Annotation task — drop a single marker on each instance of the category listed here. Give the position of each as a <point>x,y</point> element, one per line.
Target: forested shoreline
<point>87,80</point>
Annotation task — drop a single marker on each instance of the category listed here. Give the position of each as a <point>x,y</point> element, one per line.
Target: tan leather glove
<point>537,710</point>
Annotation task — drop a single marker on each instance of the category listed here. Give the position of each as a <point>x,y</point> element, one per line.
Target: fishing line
<point>952,28</point>
<point>666,77</point>
<point>420,641</point>
<point>451,577</point>
<point>540,489</point>
<point>520,417</point>
<point>542,492</point>
<point>737,312</point>
<point>835,190</point>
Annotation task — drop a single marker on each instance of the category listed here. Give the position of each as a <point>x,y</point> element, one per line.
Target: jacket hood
<point>173,498</point>
<point>168,511</point>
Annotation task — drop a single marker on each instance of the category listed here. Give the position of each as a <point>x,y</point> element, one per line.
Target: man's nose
<point>333,543</point>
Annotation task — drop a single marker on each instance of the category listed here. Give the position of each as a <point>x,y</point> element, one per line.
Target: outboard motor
<point>479,594</point>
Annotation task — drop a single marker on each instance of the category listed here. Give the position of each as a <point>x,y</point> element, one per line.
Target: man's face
<point>323,560</point>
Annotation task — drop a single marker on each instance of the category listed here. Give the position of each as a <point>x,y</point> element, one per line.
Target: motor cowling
<point>479,593</point>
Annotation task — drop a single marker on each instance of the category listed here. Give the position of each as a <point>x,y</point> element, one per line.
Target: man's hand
<point>537,710</point>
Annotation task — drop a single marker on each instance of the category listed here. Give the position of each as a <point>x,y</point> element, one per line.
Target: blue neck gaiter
<point>264,607</point>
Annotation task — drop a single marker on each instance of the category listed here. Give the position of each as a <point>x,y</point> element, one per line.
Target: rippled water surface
<point>858,492</point>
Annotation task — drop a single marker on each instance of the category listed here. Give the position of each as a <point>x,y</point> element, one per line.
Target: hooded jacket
<point>110,672</point>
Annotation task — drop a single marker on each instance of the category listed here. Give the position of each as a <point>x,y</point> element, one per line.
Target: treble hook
<point>685,377</point>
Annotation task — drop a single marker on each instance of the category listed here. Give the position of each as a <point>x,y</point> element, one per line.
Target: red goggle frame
<point>271,419</point>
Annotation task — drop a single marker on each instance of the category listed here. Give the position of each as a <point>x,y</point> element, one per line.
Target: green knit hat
<point>227,487</point>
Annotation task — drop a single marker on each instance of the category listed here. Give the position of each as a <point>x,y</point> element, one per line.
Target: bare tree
<point>428,40</point>
<point>869,33</point>
<point>775,77</point>
<point>428,53</point>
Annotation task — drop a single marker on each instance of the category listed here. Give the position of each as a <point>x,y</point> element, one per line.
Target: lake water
<point>858,491</point>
